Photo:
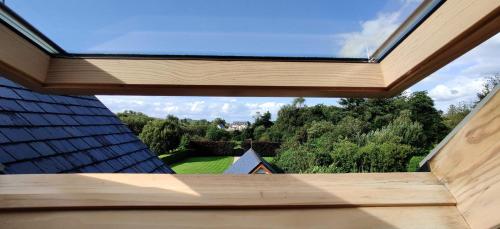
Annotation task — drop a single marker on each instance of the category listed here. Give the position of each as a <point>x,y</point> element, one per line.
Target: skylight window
<point>319,29</point>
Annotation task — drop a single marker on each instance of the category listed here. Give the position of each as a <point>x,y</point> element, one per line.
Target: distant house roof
<point>42,133</point>
<point>247,163</point>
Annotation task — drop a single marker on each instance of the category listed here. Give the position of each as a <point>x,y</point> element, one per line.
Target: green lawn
<point>203,165</point>
<point>268,159</point>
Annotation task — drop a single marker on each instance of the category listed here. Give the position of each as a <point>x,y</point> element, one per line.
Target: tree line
<point>358,135</point>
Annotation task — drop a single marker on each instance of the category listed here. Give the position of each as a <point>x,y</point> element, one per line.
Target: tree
<point>216,134</point>
<point>263,120</point>
<point>219,121</point>
<point>455,114</point>
<point>298,102</point>
<point>134,120</point>
<point>162,136</point>
<point>295,160</point>
<point>491,82</point>
<point>423,111</point>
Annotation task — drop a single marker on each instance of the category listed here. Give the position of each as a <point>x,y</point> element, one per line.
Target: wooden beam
<point>341,218</point>
<point>133,191</point>
<point>213,77</point>
<point>468,162</point>
<point>452,30</point>
<point>20,60</point>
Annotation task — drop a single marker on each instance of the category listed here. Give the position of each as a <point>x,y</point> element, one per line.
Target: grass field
<point>268,159</point>
<point>203,165</point>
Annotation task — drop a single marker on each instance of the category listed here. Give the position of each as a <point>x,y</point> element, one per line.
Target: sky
<point>321,28</point>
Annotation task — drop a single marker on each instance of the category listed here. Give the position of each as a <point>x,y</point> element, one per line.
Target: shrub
<point>385,157</point>
<point>216,134</point>
<point>345,157</point>
<point>295,160</point>
<point>413,164</point>
<point>134,120</point>
<point>161,135</point>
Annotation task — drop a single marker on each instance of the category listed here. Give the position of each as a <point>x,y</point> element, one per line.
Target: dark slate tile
<point>62,163</point>
<point>30,106</point>
<point>26,167</point>
<point>83,157</point>
<point>74,131</point>
<point>44,97</point>
<point>8,83</point>
<point>62,109</point>
<point>126,160</point>
<point>42,148</point>
<point>115,164</point>
<point>105,167</point>
<point>157,161</point>
<point>18,120</point>
<point>48,107</point>
<point>3,139</point>
<point>35,119</point>
<point>92,142</point>
<point>20,151</point>
<point>26,95</point>
<point>47,165</point>
<point>101,139</point>
<point>61,146</point>
<point>54,119</point>
<point>68,119</point>
<point>79,143</point>
<point>5,157</point>
<point>59,132</point>
<point>90,169</point>
<point>76,160</point>
<point>97,154</point>
<point>41,133</point>
<point>5,119</point>
<point>10,105</point>
<point>16,134</point>
<point>8,93</point>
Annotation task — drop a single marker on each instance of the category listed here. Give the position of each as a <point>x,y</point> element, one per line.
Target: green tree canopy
<point>162,135</point>
<point>134,120</point>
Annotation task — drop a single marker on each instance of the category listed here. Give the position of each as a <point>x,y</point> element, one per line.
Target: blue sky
<point>243,27</point>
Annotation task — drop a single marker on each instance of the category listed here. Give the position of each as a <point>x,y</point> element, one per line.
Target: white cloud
<point>197,106</point>
<point>465,89</point>
<point>460,80</point>
<point>372,34</point>
<point>272,107</point>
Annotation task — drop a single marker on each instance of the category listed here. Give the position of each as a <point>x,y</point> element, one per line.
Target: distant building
<point>250,163</point>
<point>237,126</point>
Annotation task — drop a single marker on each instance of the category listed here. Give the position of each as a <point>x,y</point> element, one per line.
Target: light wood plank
<point>362,218</point>
<point>207,77</point>
<point>452,30</point>
<point>469,165</point>
<point>220,191</point>
<point>21,60</point>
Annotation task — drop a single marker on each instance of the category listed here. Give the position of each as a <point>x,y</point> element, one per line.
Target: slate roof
<point>42,133</point>
<point>247,163</point>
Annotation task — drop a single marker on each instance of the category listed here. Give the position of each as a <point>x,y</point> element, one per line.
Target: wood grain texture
<point>216,73</point>
<point>21,60</point>
<point>469,165</point>
<point>220,191</point>
<point>353,218</point>
<point>211,77</point>
<point>452,30</point>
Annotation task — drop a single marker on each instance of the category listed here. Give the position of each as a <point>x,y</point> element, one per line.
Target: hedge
<point>230,148</point>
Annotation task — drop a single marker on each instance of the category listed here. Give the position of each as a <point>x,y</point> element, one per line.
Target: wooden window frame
<point>450,31</point>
